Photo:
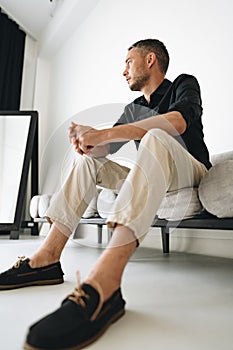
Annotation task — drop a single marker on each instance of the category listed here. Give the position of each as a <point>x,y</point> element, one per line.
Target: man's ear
<point>151,59</point>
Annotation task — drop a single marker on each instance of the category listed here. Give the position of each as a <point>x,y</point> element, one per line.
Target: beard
<point>139,81</point>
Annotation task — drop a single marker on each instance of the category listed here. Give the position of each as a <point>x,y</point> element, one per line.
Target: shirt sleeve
<point>186,98</point>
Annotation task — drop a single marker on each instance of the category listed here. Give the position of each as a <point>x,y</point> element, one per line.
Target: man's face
<point>136,72</point>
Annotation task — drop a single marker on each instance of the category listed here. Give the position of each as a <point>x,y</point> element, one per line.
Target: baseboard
<point>204,242</point>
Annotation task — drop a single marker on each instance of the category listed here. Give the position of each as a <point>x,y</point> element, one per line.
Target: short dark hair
<point>158,48</point>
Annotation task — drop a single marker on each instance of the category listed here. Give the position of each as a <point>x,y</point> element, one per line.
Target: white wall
<point>87,69</point>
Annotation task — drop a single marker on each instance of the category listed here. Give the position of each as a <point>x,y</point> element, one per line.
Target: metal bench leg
<point>100,231</point>
<point>109,234</point>
<point>165,239</point>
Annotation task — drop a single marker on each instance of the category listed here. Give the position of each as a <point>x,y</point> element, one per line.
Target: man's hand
<point>78,136</point>
<point>87,140</point>
<point>76,131</point>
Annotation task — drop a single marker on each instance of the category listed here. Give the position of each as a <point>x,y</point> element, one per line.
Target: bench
<point>215,193</point>
<point>201,221</point>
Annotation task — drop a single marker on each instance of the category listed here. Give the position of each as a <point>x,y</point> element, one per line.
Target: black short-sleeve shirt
<point>183,95</point>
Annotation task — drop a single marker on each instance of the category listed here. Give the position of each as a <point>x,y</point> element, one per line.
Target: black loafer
<point>22,275</point>
<point>81,319</point>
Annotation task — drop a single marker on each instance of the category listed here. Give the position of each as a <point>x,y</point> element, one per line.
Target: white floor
<point>180,301</point>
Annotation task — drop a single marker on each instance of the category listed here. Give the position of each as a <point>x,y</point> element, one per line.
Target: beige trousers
<point>162,165</point>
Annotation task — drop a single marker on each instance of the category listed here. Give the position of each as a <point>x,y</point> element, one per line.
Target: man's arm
<point>171,122</point>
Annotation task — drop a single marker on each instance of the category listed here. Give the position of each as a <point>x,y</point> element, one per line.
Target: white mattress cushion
<point>181,204</point>
<point>216,190</point>
<point>33,209</point>
<point>39,204</point>
<point>105,202</point>
<point>176,205</point>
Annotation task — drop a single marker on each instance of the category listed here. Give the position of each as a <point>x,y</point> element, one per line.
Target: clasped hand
<point>87,140</point>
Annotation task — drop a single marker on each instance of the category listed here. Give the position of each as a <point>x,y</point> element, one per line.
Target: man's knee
<point>84,162</point>
<point>83,168</point>
<point>157,136</point>
<point>91,168</point>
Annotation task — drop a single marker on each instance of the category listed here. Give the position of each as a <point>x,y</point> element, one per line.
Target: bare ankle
<point>108,284</point>
<point>42,258</point>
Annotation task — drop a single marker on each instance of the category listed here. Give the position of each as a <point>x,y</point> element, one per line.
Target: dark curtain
<point>12,42</point>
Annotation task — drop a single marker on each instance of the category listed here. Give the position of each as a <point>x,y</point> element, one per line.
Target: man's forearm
<point>172,122</point>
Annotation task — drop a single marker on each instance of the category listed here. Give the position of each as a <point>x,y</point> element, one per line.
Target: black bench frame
<point>201,221</point>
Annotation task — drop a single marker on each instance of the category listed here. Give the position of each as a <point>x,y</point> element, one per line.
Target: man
<point>165,123</point>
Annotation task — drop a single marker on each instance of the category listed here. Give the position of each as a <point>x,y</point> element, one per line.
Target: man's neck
<point>151,87</point>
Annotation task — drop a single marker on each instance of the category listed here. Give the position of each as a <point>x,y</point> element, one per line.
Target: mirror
<point>17,140</point>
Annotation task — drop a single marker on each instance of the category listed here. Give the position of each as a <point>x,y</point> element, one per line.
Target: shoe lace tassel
<point>78,294</point>
<point>19,262</point>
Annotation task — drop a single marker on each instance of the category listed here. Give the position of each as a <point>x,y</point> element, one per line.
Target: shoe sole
<point>34,283</point>
<point>115,318</point>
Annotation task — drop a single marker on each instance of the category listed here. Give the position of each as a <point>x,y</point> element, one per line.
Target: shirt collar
<point>162,88</point>
<point>156,95</point>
